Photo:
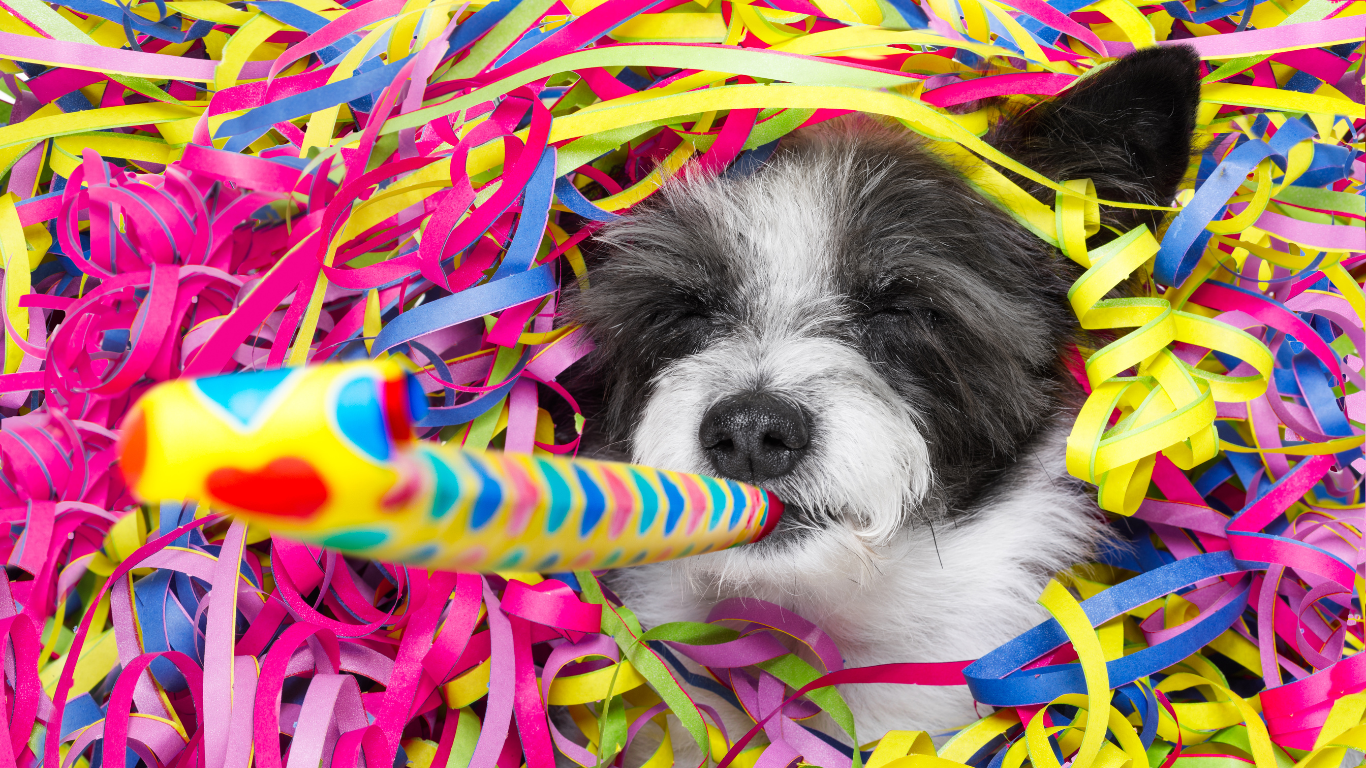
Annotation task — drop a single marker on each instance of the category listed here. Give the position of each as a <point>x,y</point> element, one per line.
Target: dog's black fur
<point>958,306</point>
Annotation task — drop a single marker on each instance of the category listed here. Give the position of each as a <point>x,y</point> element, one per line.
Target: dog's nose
<point>753,437</point>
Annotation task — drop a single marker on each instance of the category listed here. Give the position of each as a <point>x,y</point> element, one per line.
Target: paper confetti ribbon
<point>198,188</point>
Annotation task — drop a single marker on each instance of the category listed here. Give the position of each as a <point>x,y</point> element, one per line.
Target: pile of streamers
<point>196,187</point>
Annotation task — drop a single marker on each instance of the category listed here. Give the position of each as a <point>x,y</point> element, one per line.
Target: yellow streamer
<point>1068,613</point>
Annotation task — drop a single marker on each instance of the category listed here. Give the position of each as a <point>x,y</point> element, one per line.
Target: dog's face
<point>852,325</point>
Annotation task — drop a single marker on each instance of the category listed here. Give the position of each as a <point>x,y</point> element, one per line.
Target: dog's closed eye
<point>692,321</point>
<point>899,302</point>
<point>676,329</point>
<point>688,326</point>
<point>922,313</point>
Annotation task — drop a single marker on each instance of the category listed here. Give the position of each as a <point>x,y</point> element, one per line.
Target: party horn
<point>326,455</point>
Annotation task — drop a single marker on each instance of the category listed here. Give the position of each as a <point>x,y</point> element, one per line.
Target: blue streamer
<point>465,412</point>
<point>299,105</point>
<point>574,200</point>
<point>122,15</point>
<point>998,680</point>
<point>1323,401</point>
<point>910,13</point>
<point>475,26</point>
<point>526,239</point>
<point>467,305</point>
<point>1184,240</point>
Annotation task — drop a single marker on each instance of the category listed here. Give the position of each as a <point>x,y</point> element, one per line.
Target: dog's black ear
<point>1127,127</point>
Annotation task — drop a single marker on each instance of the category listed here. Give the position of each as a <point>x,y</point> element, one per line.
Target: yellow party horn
<point>326,455</point>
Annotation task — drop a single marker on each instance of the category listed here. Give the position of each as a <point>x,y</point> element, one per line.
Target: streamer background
<point>195,187</point>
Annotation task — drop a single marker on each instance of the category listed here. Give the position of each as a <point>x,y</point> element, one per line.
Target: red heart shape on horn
<point>286,487</point>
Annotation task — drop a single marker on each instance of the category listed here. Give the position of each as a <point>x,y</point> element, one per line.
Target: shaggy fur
<point>855,328</point>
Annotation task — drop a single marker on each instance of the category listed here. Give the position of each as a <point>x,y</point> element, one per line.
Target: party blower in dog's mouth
<point>327,455</point>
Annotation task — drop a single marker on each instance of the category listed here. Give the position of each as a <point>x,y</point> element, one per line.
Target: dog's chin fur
<point>916,329</point>
<point>929,593</point>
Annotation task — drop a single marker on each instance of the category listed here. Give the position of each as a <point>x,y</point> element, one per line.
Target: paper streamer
<point>197,188</point>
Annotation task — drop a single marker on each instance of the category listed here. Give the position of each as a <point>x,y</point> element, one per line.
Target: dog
<point>854,327</point>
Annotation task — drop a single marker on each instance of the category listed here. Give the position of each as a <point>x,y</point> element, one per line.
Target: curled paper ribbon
<point>197,188</point>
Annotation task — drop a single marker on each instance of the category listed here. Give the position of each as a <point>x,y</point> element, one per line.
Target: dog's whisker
<point>935,539</point>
